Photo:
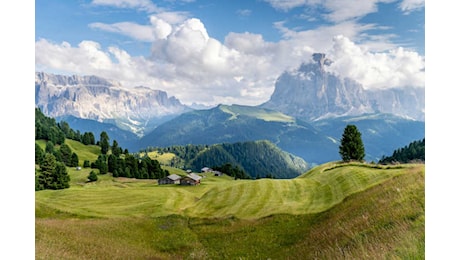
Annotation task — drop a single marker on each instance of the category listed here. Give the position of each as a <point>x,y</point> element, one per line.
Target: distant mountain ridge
<point>311,92</point>
<point>316,142</point>
<point>236,123</point>
<point>137,109</point>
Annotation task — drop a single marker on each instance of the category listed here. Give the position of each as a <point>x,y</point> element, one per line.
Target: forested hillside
<point>257,159</point>
<point>55,154</point>
<point>415,151</point>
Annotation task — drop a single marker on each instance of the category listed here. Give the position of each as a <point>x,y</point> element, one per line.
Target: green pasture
<point>334,211</point>
<point>217,197</point>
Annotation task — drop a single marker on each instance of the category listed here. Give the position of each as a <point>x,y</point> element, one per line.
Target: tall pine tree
<point>351,145</point>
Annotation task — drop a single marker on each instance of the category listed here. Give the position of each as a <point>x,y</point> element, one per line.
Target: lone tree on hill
<point>351,145</point>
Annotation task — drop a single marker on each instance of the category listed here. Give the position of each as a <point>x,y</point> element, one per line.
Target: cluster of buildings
<point>189,180</point>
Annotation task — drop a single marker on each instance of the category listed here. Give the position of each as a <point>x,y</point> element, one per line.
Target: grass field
<point>335,211</point>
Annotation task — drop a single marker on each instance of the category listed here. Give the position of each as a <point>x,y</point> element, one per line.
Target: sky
<point>230,52</point>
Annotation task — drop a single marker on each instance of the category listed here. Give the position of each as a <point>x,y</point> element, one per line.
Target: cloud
<point>243,12</point>
<point>336,10</point>
<point>408,6</point>
<point>89,59</point>
<point>144,5</point>
<point>345,10</point>
<point>173,18</point>
<point>286,5</point>
<point>136,31</point>
<point>161,25</point>
<point>396,68</point>
<point>191,65</point>
<point>320,38</point>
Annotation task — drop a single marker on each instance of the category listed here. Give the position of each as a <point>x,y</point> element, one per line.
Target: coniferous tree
<point>351,145</point>
<point>39,154</point>
<point>112,163</point>
<point>66,154</point>
<point>116,150</point>
<point>47,168</point>
<point>86,164</point>
<point>74,160</point>
<point>61,177</point>
<point>49,148</point>
<point>92,176</point>
<point>104,142</point>
<point>53,174</point>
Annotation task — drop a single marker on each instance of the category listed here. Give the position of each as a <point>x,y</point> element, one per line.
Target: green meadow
<point>334,211</point>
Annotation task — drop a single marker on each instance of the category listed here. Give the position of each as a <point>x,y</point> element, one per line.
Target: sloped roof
<point>194,176</point>
<point>174,177</point>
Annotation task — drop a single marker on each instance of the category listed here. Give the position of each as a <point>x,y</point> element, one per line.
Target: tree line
<point>415,151</point>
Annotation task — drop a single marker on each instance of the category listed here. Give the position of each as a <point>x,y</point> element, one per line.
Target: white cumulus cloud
<point>396,68</point>
<point>196,68</point>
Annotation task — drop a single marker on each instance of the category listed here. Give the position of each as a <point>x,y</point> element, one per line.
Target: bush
<point>92,176</point>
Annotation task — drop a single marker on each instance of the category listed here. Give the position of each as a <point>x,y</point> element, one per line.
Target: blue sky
<point>213,52</point>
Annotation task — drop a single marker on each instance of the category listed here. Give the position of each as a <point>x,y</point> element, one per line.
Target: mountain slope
<point>125,138</point>
<point>231,124</point>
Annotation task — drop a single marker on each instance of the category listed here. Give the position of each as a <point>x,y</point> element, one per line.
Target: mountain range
<point>305,115</point>
<point>137,110</point>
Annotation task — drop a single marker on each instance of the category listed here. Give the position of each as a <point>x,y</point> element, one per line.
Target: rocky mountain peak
<point>312,93</point>
<point>321,60</point>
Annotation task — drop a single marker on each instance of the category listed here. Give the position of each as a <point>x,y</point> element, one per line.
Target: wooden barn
<point>170,179</point>
<point>191,179</point>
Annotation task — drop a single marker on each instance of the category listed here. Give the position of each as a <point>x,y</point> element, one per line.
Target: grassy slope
<point>140,219</point>
<point>259,113</point>
<point>84,152</point>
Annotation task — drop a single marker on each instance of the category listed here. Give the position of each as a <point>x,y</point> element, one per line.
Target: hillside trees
<point>415,151</point>
<point>351,145</point>
<point>52,174</point>
<point>88,138</point>
<point>39,154</point>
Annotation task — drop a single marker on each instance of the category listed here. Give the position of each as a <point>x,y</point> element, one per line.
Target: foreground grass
<point>380,217</point>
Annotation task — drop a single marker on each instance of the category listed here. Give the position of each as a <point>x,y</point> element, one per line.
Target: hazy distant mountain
<point>316,142</point>
<point>312,93</point>
<point>137,109</point>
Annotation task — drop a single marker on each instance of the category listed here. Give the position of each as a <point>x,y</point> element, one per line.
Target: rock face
<point>138,109</point>
<point>312,93</point>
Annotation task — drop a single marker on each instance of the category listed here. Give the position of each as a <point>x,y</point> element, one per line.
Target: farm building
<point>170,179</point>
<point>206,169</point>
<point>217,173</point>
<point>191,179</point>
